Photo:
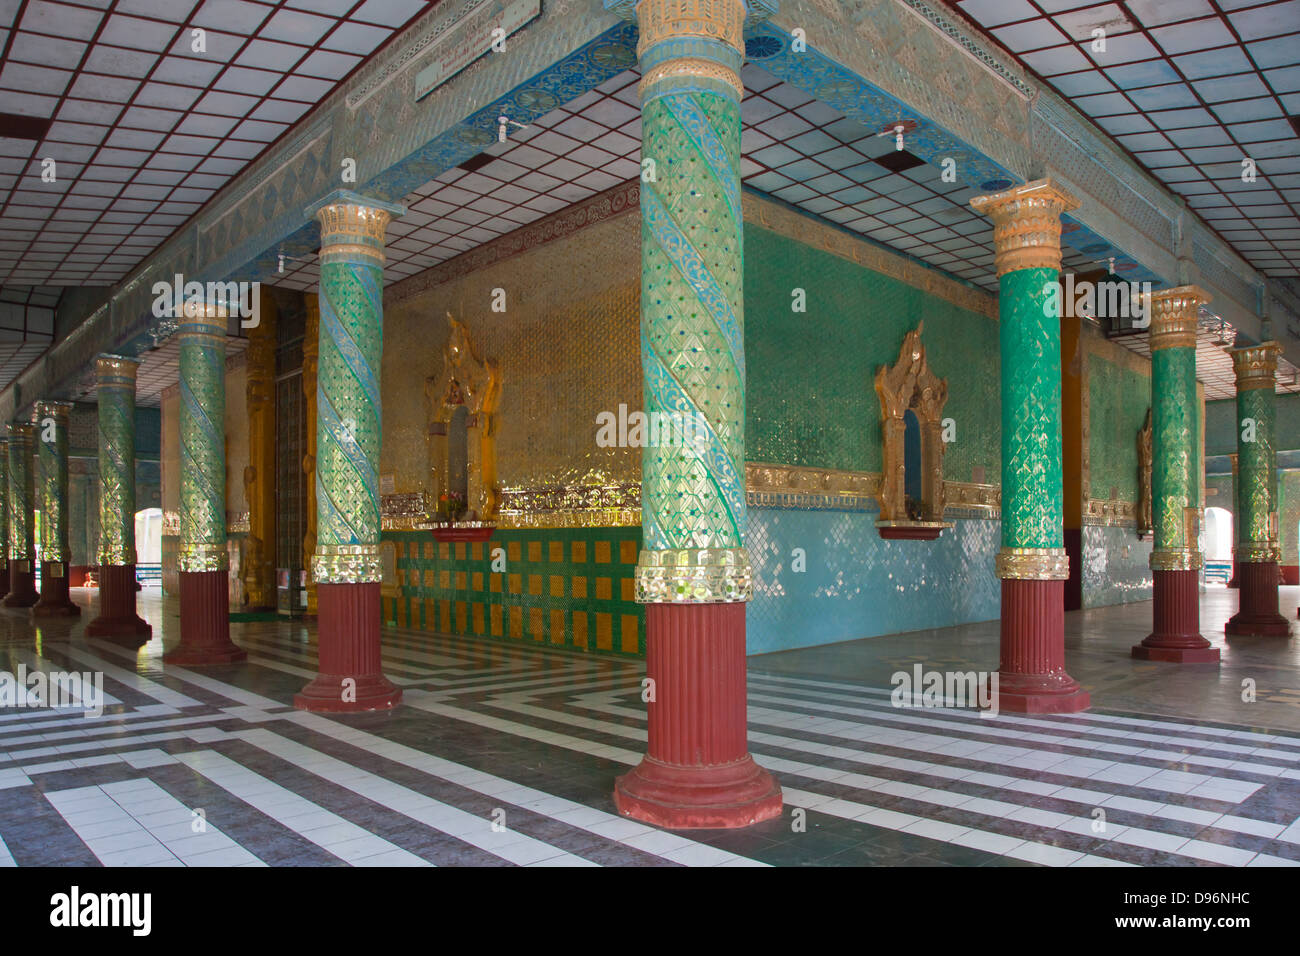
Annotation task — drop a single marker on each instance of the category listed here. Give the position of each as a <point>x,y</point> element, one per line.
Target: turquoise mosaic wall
<point>1118,399</point>
<point>810,393</point>
<point>1115,569</point>
<point>857,585</point>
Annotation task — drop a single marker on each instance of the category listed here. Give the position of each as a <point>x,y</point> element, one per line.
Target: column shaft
<point>310,364</point>
<point>51,421</point>
<point>22,549</point>
<point>202,558</point>
<point>693,573</point>
<point>116,549</point>
<point>346,566</point>
<point>1257,554</point>
<point>1176,558</point>
<point>1032,564</point>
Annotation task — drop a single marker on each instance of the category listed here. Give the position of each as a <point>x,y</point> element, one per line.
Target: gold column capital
<point>21,432</point>
<point>48,408</point>
<point>1027,224</point>
<point>1174,315</point>
<point>353,225</point>
<point>660,20</point>
<point>110,368</point>
<point>1255,365</point>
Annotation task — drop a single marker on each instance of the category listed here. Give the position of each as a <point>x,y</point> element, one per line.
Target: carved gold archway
<point>465,380</point>
<point>910,383</point>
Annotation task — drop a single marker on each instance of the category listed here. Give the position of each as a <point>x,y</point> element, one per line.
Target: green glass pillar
<point>1257,554</point>
<point>22,546</point>
<point>693,572</point>
<point>346,565</point>
<point>115,391</point>
<point>1032,563</point>
<point>4,516</point>
<point>1176,559</point>
<point>51,422</point>
<point>202,559</point>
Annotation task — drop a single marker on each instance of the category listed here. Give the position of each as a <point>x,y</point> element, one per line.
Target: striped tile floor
<point>505,755</point>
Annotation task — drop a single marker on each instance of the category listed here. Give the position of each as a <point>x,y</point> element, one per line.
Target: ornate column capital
<point>57,410</point>
<point>21,433</point>
<point>691,45</point>
<point>353,225</point>
<point>116,370</point>
<point>1027,224</point>
<point>1255,365</point>
<point>1174,316</point>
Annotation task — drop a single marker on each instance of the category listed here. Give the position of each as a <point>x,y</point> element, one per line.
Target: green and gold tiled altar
<point>563,587</point>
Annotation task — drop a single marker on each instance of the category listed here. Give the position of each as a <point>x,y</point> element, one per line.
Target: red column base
<point>351,676</point>
<point>22,585</point>
<point>1257,611</point>
<point>1031,673</point>
<point>54,600</point>
<point>697,772</point>
<point>205,622</point>
<point>4,574</point>
<point>117,618</point>
<point>1175,636</point>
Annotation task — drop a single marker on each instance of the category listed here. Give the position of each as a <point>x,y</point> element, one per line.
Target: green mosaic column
<point>1257,552</point>
<point>346,566</point>
<point>51,421</point>
<point>115,377</point>
<point>201,556</point>
<point>4,516</point>
<point>22,549</point>
<point>1032,563</point>
<point>693,572</point>
<point>1176,558</point>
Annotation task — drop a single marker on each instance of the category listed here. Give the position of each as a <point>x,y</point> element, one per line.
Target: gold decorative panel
<point>909,384</point>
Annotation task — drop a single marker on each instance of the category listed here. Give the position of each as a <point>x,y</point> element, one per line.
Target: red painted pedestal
<point>349,617</point>
<point>1031,674</point>
<point>1176,634</point>
<point>697,771</point>
<point>22,585</point>
<point>205,622</point>
<point>1257,611</point>
<point>54,600</point>
<point>117,618</point>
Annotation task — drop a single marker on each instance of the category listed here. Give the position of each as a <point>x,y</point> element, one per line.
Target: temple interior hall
<point>649,433</point>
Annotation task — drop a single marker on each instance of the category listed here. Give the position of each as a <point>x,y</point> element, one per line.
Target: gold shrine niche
<point>910,385</point>
<point>463,401</point>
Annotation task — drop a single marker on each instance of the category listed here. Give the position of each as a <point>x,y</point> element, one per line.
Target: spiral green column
<point>51,422</point>
<point>1032,563</point>
<point>1257,553</point>
<point>202,558</point>
<point>115,391</point>
<point>693,572</point>
<point>346,565</point>
<point>1176,559</point>
<point>4,516</point>
<point>22,547</point>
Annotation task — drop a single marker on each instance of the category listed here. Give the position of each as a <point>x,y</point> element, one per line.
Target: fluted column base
<point>1257,611</point>
<point>117,618</point>
<point>205,622</point>
<point>697,771</point>
<point>22,585</point>
<point>350,673</point>
<point>1031,673</point>
<point>54,600</point>
<point>1176,616</point>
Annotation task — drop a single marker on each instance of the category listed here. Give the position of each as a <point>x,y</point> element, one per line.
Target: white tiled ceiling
<point>793,147</point>
<point>144,128</point>
<point>1190,87</point>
